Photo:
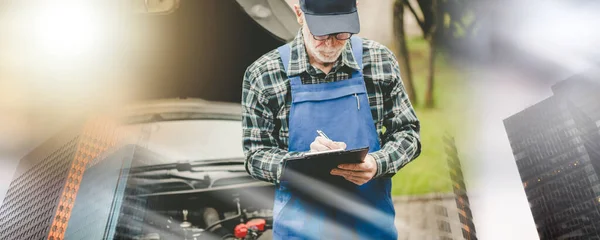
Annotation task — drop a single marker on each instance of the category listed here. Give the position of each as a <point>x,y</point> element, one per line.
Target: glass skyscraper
<point>556,144</point>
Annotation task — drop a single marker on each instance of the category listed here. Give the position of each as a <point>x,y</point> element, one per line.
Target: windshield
<point>192,140</point>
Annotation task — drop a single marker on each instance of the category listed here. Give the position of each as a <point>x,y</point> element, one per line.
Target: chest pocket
<point>314,93</point>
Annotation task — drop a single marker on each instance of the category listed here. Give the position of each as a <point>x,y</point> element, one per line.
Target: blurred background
<point>66,60</point>
<point>531,63</point>
<point>467,66</point>
<point>63,60</point>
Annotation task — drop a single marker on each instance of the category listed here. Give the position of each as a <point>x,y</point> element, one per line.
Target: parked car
<point>192,177</point>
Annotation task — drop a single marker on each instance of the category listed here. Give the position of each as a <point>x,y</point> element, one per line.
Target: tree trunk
<point>429,98</point>
<point>433,37</point>
<point>402,51</point>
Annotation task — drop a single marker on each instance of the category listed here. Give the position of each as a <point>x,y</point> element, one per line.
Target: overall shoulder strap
<point>284,53</point>
<point>357,50</point>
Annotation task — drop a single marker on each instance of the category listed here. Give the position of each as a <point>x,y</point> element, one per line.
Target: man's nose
<point>330,41</point>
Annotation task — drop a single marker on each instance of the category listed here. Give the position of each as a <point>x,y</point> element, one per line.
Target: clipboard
<point>318,165</point>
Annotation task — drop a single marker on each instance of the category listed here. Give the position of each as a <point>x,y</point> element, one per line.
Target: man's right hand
<point>324,144</point>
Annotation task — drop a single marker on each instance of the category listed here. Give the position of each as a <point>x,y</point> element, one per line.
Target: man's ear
<point>299,14</point>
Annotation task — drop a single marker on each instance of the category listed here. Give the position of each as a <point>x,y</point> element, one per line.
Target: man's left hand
<point>357,173</point>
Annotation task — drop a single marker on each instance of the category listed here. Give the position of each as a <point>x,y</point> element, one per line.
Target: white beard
<point>326,54</point>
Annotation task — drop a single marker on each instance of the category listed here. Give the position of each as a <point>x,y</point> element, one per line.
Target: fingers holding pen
<point>323,144</point>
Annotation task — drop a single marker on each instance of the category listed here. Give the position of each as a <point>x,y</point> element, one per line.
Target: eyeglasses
<point>338,36</point>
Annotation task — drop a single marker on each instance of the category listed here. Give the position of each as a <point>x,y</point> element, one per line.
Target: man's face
<point>327,51</point>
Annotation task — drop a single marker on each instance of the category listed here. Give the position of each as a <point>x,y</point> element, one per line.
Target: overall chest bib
<point>340,109</point>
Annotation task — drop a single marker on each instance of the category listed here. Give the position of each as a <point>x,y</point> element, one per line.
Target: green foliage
<point>429,172</point>
<point>455,19</point>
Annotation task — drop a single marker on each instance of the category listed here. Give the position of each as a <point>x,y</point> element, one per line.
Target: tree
<point>402,51</point>
<point>429,20</point>
<point>450,20</point>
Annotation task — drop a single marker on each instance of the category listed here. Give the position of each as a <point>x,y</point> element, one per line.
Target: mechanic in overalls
<point>350,88</point>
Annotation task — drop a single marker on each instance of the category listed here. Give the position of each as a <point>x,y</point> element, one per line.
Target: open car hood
<point>203,48</point>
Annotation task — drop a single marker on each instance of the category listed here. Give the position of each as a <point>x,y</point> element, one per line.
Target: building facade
<point>438,216</point>
<point>461,198</point>
<point>106,207</point>
<point>41,195</point>
<point>556,144</point>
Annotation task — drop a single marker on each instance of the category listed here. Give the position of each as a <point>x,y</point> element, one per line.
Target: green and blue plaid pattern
<point>266,100</point>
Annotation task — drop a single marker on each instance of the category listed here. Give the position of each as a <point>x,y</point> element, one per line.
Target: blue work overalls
<point>340,109</point>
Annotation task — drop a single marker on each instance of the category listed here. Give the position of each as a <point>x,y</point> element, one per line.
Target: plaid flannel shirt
<point>266,101</point>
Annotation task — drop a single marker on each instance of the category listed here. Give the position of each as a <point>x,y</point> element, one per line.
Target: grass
<point>429,172</point>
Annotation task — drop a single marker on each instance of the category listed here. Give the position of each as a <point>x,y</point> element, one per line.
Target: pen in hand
<point>322,134</point>
<point>329,144</point>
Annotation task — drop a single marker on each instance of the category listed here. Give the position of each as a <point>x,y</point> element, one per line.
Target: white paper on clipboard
<point>323,152</point>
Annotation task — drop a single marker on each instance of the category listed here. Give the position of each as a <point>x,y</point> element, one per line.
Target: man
<point>350,88</point>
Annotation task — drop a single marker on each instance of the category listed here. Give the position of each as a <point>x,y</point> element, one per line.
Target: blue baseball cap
<point>325,17</point>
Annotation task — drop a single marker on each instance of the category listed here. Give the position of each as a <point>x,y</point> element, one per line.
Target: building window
<point>463,219</point>
<point>465,233</point>
<point>596,188</point>
<point>441,211</point>
<point>444,226</point>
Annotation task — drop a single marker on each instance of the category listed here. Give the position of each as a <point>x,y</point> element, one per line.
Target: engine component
<point>254,228</point>
<point>185,223</point>
<point>240,231</point>
<point>257,224</point>
<point>211,216</point>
